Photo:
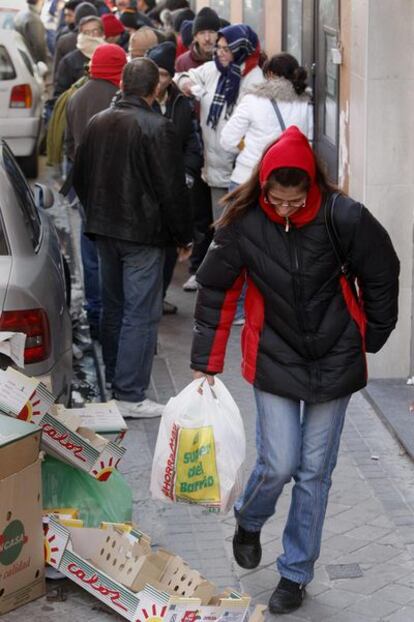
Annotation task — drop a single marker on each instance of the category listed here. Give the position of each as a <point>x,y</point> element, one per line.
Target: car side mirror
<point>43,196</point>
<point>42,68</point>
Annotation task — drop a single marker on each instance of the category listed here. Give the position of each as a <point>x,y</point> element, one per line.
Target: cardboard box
<point>103,418</point>
<point>71,551</point>
<point>21,534</point>
<point>63,436</point>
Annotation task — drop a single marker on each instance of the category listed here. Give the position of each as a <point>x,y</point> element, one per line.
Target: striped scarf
<point>244,45</point>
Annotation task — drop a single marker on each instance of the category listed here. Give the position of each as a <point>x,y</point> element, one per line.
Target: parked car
<point>21,100</point>
<point>33,288</point>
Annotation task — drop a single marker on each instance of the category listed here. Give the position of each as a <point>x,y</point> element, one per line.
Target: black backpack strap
<point>278,114</point>
<point>335,240</point>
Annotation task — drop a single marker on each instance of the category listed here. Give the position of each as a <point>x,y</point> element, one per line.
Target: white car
<point>21,100</point>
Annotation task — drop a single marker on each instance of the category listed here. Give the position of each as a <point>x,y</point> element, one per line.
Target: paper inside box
<point>103,418</point>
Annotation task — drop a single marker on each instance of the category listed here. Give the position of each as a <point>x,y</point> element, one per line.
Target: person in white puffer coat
<point>255,123</point>
<point>234,70</point>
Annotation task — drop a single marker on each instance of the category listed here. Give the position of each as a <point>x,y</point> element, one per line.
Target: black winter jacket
<point>129,176</point>
<point>181,113</point>
<point>304,337</point>
<point>70,69</point>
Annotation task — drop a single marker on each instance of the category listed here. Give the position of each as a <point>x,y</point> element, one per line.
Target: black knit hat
<point>134,19</point>
<point>179,16</point>
<point>206,19</point>
<point>163,55</point>
<point>186,32</point>
<point>85,9</point>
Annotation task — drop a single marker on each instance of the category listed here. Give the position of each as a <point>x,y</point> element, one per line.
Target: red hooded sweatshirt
<point>291,149</point>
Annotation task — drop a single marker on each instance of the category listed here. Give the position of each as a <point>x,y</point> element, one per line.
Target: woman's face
<point>224,54</point>
<point>286,200</point>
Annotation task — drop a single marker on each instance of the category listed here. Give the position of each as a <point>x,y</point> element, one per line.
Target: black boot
<point>287,597</point>
<point>246,548</point>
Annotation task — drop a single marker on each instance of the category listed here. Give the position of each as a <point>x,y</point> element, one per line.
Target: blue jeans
<point>91,281</point>
<point>131,310</point>
<point>299,444</point>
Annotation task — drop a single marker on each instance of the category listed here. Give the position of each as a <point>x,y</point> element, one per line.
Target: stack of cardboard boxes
<point>114,563</point>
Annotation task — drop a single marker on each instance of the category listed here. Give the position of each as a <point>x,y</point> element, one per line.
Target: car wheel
<point>30,165</point>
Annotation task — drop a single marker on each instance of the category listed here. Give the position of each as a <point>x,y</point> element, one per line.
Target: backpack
<point>57,125</point>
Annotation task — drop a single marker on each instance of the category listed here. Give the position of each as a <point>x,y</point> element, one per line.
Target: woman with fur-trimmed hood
<point>255,123</point>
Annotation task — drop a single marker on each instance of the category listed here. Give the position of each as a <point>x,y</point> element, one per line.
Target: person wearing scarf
<point>219,85</point>
<point>237,53</point>
<point>303,343</point>
<point>73,65</point>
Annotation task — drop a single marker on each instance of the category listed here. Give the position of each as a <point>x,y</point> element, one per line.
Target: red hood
<point>291,149</point>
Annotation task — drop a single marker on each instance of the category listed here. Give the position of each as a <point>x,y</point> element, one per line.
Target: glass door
<point>326,72</point>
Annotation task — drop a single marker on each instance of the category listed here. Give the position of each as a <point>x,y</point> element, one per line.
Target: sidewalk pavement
<point>369,530</point>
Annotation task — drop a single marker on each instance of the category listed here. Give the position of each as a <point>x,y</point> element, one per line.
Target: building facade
<point>358,54</point>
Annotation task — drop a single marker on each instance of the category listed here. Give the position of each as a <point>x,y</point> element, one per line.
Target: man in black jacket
<point>74,64</point>
<point>129,175</point>
<point>175,106</point>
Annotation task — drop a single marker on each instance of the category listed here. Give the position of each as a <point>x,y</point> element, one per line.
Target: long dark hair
<point>246,196</point>
<point>286,66</point>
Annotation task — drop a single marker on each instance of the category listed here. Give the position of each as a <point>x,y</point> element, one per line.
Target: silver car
<point>21,100</point>
<point>33,285</point>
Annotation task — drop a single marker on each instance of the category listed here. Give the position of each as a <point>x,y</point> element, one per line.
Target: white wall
<point>382,146</point>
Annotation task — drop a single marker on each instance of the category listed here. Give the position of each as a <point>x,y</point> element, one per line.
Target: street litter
<point>66,487</point>
<point>103,418</point>
<point>63,436</point>
<point>200,449</point>
<point>119,569</point>
<point>12,345</point>
<point>21,537</point>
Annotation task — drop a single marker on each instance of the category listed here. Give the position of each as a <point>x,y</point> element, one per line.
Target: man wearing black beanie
<point>206,25</point>
<point>173,105</point>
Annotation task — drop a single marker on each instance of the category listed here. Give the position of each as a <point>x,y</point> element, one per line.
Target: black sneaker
<point>246,548</point>
<point>287,597</point>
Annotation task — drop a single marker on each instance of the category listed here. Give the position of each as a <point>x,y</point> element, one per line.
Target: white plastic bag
<point>200,449</point>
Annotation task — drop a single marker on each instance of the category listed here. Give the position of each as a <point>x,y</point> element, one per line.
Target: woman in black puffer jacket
<point>305,337</point>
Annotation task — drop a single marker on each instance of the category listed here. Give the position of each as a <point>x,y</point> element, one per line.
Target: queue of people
<point>178,128</point>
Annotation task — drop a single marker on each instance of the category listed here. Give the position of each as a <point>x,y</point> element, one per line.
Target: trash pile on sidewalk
<point>86,512</point>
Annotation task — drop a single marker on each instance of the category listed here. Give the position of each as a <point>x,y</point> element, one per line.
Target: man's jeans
<point>91,282</point>
<point>131,310</point>
<point>302,444</point>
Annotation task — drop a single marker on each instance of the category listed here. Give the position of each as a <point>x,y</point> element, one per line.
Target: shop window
<point>222,7</point>
<point>293,28</point>
<point>254,15</point>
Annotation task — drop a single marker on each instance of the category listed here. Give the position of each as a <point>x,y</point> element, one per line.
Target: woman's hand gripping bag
<point>200,449</point>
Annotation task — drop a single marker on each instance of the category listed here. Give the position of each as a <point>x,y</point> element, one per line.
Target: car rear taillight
<point>35,324</point>
<point>21,96</point>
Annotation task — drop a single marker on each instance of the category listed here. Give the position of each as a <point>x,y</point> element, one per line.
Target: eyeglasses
<point>95,32</point>
<point>297,203</point>
<point>222,48</point>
